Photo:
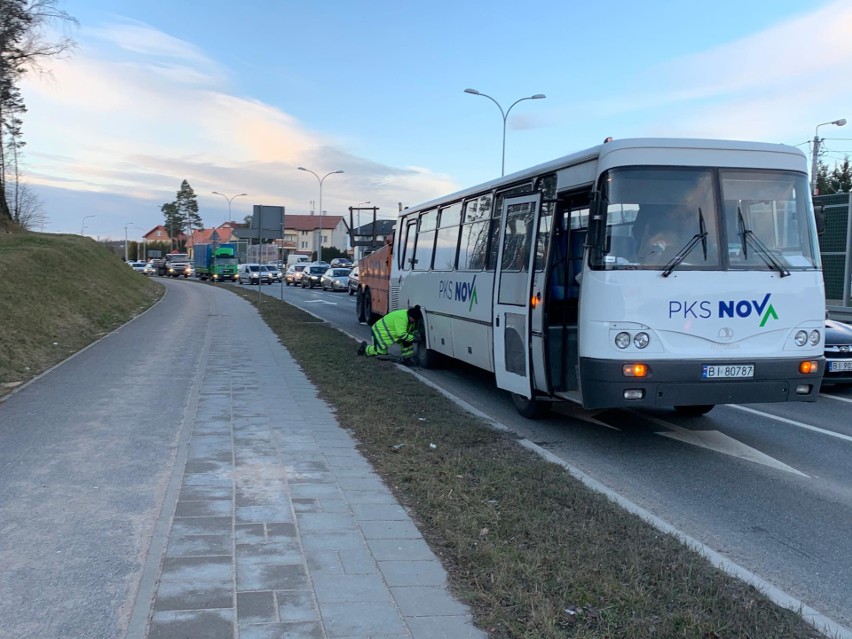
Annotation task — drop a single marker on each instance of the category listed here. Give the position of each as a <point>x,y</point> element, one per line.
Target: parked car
<point>336,279</point>
<point>342,262</point>
<point>150,269</point>
<point>294,274</point>
<point>274,272</point>
<point>253,274</point>
<point>354,280</point>
<point>312,274</point>
<point>838,353</point>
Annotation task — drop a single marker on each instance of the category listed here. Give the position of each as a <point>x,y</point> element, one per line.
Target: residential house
<point>225,233</point>
<point>304,233</point>
<point>161,234</point>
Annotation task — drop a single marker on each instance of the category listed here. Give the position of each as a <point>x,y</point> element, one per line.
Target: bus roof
<point>637,151</point>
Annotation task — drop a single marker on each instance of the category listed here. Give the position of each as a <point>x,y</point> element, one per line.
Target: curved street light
<point>320,180</point>
<point>83,225</point>
<point>814,162</point>
<point>505,114</point>
<point>230,199</point>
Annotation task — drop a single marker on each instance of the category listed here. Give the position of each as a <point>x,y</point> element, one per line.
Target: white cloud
<point>138,122</point>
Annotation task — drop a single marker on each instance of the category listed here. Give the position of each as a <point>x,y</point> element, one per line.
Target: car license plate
<point>837,367</point>
<point>726,371</point>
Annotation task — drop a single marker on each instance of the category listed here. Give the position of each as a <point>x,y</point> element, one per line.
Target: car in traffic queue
<point>137,266</point>
<point>294,273</point>
<point>335,279</point>
<point>253,274</point>
<point>354,280</point>
<point>312,275</point>
<point>838,353</point>
<point>274,272</point>
<point>342,262</point>
<point>150,269</point>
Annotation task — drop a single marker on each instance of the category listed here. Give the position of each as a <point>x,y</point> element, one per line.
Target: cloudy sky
<point>234,97</point>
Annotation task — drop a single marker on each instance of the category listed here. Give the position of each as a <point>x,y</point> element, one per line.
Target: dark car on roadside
<point>353,281</point>
<point>838,353</point>
<point>312,275</point>
<point>341,262</point>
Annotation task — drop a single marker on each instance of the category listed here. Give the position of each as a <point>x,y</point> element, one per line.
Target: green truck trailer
<point>215,262</point>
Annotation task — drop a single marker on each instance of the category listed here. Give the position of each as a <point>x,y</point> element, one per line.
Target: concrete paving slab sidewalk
<point>281,528</point>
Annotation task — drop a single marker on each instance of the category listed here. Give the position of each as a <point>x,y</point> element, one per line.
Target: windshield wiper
<point>701,236</point>
<point>747,235</point>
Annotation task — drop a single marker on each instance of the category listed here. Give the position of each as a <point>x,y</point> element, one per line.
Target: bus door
<point>512,290</point>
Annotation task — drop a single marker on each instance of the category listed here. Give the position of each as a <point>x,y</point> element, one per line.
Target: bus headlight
<point>801,338</point>
<point>641,340</point>
<point>814,338</point>
<point>622,340</point>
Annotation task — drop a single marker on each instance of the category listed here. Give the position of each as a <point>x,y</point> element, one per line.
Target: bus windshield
<point>658,218</point>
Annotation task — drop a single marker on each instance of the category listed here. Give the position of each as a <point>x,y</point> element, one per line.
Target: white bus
<point>638,273</point>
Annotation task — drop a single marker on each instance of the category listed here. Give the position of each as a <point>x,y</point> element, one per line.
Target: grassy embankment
<point>59,293</point>
<point>534,552</point>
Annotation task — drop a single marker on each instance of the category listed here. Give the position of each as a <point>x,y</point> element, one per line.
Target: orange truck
<point>374,284</point>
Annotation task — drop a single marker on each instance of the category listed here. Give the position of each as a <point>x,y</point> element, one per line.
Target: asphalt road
<point>769,487</point>
<point>86,453</point>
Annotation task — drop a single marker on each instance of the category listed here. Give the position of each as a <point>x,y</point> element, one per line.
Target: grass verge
<point>58,294</point>
<point>534,552</point>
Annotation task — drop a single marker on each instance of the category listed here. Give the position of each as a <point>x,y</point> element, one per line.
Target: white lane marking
<point>816,429</point>
<point>839,399</point>
<point>319,302</point>
<point>721,443</point>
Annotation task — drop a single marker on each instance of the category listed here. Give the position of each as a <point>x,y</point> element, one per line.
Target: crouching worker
<point>396,326</point>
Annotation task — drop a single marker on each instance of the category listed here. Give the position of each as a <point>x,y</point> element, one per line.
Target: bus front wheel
<point>531,408</point>
<point>694,411</point>
<point>426,358</point>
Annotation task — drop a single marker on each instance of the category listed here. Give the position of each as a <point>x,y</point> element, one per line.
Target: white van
<point>294,258</point>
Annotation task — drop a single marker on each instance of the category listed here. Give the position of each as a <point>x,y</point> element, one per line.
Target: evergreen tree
<point>187,205</point>
<point>841,177</point>
<point>837,180</point>
<point>172,221</point>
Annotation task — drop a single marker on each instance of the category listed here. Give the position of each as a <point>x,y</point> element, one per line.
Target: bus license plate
<point>836,367</point>
<point>723,371</point>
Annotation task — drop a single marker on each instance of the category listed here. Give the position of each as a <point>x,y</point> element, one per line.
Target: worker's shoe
<point>362,348</point>
<point>408,361</point>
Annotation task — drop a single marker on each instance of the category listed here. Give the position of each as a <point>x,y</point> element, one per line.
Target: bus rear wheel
<point>359,307</point>
<point>531,408</point>
<point>694,411</point>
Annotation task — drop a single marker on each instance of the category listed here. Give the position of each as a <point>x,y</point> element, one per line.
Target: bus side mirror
<point>819,216</point>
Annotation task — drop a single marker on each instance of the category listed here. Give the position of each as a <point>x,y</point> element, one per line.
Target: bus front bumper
<point>680,383</point>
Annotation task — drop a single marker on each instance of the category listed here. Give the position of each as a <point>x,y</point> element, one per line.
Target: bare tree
<point>23,47</point>
<point>29,209</point>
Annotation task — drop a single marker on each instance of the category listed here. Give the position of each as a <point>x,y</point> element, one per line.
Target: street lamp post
<point>230,199</point>
<point>83,225</point>
<point>505,114</point>
<point>320,180</point>
<point>144,244</point>
<point>815,160</point>
<point>355,249</point>
<point>125,240</point>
